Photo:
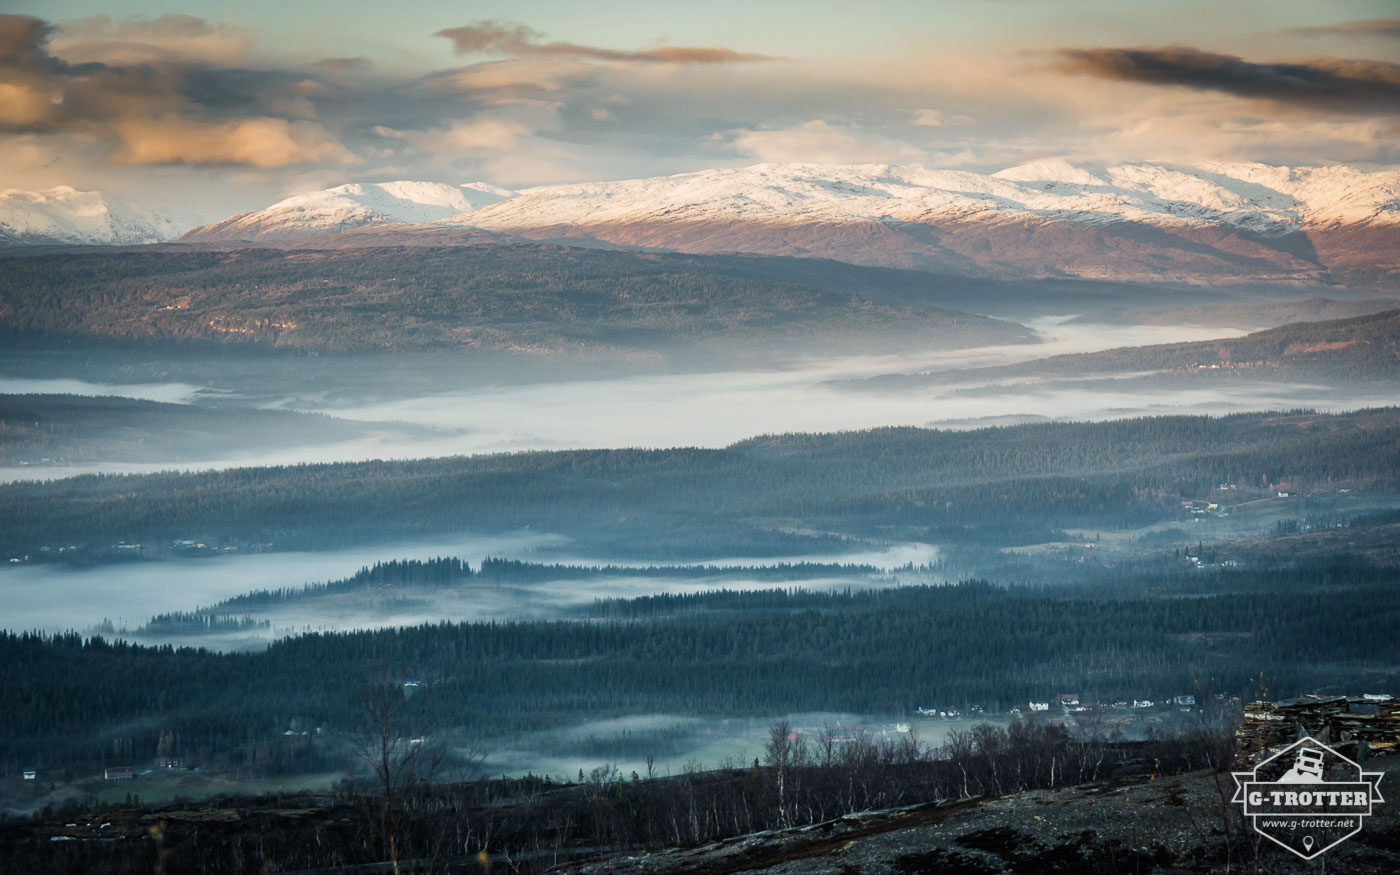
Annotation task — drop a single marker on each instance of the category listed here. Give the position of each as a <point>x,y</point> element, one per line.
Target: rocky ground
<point>1150,824</point>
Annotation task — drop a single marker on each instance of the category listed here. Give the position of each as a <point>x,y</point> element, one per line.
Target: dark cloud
<point>1378,28</point>
<point>21,38</point>
<point>161,111</point>
<point>1327,84</point>
<point>518,40</point>
<point>239,91</point>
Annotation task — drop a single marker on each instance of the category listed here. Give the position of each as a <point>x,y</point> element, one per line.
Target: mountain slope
<point>1137,222</point>
<point>64,215</point>
<point>1128,222</point>
<point>351,206</point>
<point>531,298</point>
<point>1251,197</point>
<point>1362,348</point>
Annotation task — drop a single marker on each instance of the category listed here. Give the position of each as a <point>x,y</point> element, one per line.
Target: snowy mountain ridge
<point>65,215</point>
<point>1129,222</point>
<point>356,205</point>
<point>1255,197</point>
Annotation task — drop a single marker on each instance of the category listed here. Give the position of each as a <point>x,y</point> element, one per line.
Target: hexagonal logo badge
<point>1307,797</point>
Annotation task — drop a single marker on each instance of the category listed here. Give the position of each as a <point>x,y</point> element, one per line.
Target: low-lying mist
<point>681,743</point>
<point>465,414</point>
<point>55,598</point>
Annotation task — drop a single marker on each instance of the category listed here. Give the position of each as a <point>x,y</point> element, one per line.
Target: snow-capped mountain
<point>353,206</point>
<point>64,215</point>
<point>1047,218</point>
<point>1271,200</point>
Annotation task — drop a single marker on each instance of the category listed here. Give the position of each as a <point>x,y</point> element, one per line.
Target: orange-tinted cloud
<point>1368,28</point>
<point>254,142</point>
<point>1327,84</point>
<point>519,40</point>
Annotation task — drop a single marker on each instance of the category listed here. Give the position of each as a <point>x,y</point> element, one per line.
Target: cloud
<point>1207,132</point>
<point>343,66</point>
<point>933,118</point>
<point>516,76</point>
<point>255,142</point>
<point>27,106</point>
<point>817,142</point>
<point>1328,84</point>
<point>139,40</point>
<point>465,137</point>
<point>21,38</point>
<point>1369,28</point>
<point>515,39</point>
<point>162,109</point>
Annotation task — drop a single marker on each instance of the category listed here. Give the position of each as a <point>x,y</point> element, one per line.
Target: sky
<point>216,108</point>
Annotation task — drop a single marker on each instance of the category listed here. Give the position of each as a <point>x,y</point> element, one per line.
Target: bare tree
<point>1211,733</point>
<point>783,751</point>
<point>398,748</point>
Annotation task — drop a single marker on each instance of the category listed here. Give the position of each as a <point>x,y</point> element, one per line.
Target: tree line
<point>994,487</point>
<point>71,697</point>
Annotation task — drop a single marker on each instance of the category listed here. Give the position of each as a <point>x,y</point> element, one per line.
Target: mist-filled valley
<point>592,522</point>
<point>234,411</point>
<point>675,439</point>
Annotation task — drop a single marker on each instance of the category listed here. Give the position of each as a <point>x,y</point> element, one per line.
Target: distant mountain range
<point>345,207</point>
<point>1206,223</point>
<point>64,215</point>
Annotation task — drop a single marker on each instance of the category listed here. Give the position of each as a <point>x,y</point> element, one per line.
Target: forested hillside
<point>874,652</point>
<point>769,494</point>
<point>520,298</point>
<point>65,429</point>
<point>1360,348</point>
